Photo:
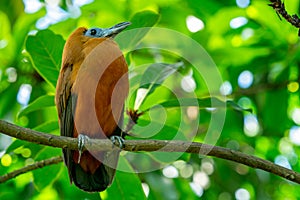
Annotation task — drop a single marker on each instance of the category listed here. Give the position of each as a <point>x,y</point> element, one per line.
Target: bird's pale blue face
<point>106,32</point>
<point>96,32</point>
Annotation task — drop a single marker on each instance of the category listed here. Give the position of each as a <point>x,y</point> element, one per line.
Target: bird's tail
<point>96,182</point>
<point>100,178</point>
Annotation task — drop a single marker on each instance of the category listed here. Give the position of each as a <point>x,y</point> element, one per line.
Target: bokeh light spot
<point>6,160</point>
<point>26,152</point>
<point>170,172</point>
<point>197,189</point>
<point>296,115</point>
<point>293,86</point>
<point>188,84</point>
<point>245,79</point>
<point>192,112</point>
<point>226,88</point>
<point>247,33</point>
<point>238,22</point>
<point>186,171</point>
<point>146,189</point>
<point>201,178</point>
<point>294,135</point>
<point>236,41</point>
<point>11,74</point>
<point>251,126</point>
<point>242,194</point>
<point>242,3</point>
<point>32,6</point>
<point>194,24</point>
<point>207,167</point>
<point>3,43</point>
<point>24,93</point>
<point>282,161</point>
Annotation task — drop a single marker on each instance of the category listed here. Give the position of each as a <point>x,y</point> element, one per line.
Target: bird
<point>91,91</point>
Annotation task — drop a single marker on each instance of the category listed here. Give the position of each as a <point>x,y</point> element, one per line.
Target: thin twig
<point>279,7</point>
<point>149,146</point>
<point>28,168</point>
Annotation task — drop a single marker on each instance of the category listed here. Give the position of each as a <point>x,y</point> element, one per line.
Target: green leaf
<point>47,127</point>
<point>7,51</point>
<point>207,102</point>
<point>7,104</point>
<point>45,49</point>
<point>126,185</point>
<point>37,104</point>
<point>161,187</point>
<point>145,18</point>
<point>139,27</point>
<point>47,175</point>
<point>237,107</point>
<point>153,77</point>
<point>15,144</point>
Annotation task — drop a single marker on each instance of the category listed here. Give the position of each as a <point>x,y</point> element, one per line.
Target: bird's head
<point>106,32</point>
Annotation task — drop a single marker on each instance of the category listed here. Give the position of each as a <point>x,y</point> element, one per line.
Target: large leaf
<point>47,127</point>
<point>8,99</point>
<point>207,102</point>
<point>140,26</point>
<point>47,175</point>
<point>126,185</point>
<point>45,49</point>
<point>37,104</point>
<point>153,77</point>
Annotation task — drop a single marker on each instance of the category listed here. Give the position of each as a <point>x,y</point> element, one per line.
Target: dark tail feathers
<point>96,182</point>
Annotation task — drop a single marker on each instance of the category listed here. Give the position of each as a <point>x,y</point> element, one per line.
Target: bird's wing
<point>63,100</point>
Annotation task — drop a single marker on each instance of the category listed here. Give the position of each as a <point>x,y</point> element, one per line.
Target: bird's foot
<point>82,139</point>
<point>117,140</point>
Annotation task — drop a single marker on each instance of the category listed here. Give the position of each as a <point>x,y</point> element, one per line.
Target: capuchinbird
<point>90,95</point>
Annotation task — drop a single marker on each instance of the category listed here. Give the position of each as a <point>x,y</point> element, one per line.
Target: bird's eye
<point>93,32</point>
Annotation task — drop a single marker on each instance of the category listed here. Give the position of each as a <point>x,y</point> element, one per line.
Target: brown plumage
<point>90,95</point>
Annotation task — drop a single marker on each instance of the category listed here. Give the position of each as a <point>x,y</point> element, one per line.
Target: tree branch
<point>150,145</point>
<point>279,7</point>
<point>36,165</point>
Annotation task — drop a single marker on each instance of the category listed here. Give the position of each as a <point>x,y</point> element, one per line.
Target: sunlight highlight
<point>3,43</point>
<point>54,13</point>
<point>245,79</point>
<point>32,6</point>
<point>251,126</point>
<point>197,189</point>
<point>186,171</point>
<point>24,93</point>
<point>247,33</point>
<point>282,161</point>
<point>194,24</point>
<point>200,178</point>
<point>242,194</point>
<point>294,135</point>
<point>238,22</point>
<point>146,189</point>
<point>188,83</point>
<point>242,3</point>
<point>6,160</point>
<point>170,172</point>
<point>296,115</point>
<point>11,74</point>
<point>226,88</point>
<point>293,86</point>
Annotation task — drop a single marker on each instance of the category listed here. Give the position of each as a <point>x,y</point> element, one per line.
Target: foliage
<point>264,46</point>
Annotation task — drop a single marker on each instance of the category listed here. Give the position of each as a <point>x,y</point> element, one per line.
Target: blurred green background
<point>256,54</point>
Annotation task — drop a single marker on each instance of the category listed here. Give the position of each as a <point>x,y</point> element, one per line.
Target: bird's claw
<point>82,139</point>
<point>117,141</point>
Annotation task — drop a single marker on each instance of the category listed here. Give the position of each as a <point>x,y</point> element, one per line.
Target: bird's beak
<point>114,30</point>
